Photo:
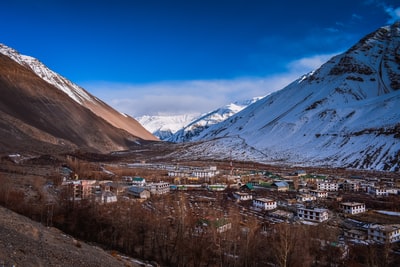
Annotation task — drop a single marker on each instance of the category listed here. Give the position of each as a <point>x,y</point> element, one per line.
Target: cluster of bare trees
<point>166,231</point>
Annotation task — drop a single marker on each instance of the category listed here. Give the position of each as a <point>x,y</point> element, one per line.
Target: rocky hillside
<point>24,242</point>
<point>36,115</point>
<point>79,95</point>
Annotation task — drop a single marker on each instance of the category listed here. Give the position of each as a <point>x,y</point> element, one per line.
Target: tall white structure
<point>264,203</point>
<point>312,214</point>
<point>384,233</point>
<point>352,207</point>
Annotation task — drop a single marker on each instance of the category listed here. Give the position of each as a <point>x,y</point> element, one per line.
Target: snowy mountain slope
<point>78,94</point>
<point>346,113</point>
<point>165,126</point>
<point>194,128</point>
<point>75,92</point>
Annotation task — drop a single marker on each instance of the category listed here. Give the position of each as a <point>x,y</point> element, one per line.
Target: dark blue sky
<point>117,46</point>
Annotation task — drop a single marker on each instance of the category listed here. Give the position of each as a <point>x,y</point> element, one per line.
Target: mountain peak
<point>40,108</point>
<point>368,69</point>
<point>345,113</point>
<point>77,93</point>
<point>395,28</point>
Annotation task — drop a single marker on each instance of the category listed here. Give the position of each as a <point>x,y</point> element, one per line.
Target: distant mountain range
<point>182,128</point>
<point>164,126</point>
<point>41,111</point>
<point>344,114</point>
<point>203,122</point>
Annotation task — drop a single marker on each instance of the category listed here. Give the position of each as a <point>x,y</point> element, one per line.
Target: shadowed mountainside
<point>36,116</point>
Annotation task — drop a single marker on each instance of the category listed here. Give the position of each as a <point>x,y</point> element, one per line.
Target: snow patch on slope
<point>194,128</point>
<point>164,126</point>
<point>343,114</point>
<point>72,90</point>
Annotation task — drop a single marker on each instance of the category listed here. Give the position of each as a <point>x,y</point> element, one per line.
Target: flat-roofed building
<point>242,196</point>
<point>319,193</point>
<point>384,233</point>
<point>328,186</point>
<point>352,207</point>
<point>312,214</point>
<point>158,188</point>
<point>264,203</point>
<point>305,197</point>
<point>351,186</point>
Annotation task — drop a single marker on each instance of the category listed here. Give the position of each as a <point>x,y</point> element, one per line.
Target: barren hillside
<point>24,242</point>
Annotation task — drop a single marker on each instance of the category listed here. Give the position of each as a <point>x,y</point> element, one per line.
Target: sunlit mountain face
<point>346,114</point>
<point>41,110</point>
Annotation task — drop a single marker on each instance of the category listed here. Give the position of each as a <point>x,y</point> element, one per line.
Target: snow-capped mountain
<point>42,111</point>
<point>345,114</point>
<point>72,90</point>
<point>78,94</point>
<point>203,122</point>
<point>164,126</point>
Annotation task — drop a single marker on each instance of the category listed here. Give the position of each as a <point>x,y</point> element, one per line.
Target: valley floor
<point>176,228</point>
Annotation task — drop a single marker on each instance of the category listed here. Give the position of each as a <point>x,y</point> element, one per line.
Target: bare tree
<point>285,238</point>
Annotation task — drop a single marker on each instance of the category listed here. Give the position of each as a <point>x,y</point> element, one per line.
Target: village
<point>363,209</point>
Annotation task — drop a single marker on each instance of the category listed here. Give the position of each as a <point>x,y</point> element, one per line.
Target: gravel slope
<point>24,242</point>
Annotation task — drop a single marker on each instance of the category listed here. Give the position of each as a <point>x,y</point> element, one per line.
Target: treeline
<point>165,231</point>
<point>169,231</point>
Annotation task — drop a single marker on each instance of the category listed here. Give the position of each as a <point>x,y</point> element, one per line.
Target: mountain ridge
<point>343,114</point>
<point>78,94</point>
<point>164,126</point>
<point>37,116</point>
<point>204,121</point>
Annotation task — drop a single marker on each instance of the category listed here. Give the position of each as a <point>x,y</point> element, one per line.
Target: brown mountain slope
<point>28,104</point>
<point>79,94</point>
<point>118,120</point>
<point>24,242</point>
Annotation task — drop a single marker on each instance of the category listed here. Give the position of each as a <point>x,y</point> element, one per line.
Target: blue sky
<point>173,57</point>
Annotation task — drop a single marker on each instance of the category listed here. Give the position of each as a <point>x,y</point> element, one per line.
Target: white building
<point>107,197</point>
<point>138,181</point>
<point>195,172</point>
<point>217,187</point>
<point>354,234</point>
<point>312,214</point>
<point>392,191</point>
<point>328,186</point>
<point>223,226</point>
<point>319,193</point>
<point>179,173</point>
<point>305,197</point>
<point>158,188</point>
<point>242,196</point>
<point>205,173</point>
<point>264,203</point>
<point>378,191</point>
<point>384,233</point>
<point>352,207</point>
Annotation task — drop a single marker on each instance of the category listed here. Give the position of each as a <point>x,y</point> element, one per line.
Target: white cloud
<point>197,96</point>
<point>179,97</point>
<point>307,64</point>
<point>356,16</point>
<point>394,14</point>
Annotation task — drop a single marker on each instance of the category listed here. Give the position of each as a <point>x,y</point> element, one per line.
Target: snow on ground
<point>391,213</point>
